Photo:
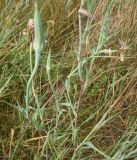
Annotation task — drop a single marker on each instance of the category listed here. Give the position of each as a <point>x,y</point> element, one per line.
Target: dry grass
<point>106,119</point>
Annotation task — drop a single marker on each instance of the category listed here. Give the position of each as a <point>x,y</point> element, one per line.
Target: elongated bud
<point>38,31</point>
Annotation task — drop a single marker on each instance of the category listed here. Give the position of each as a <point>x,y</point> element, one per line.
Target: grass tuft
<point>73,94</point>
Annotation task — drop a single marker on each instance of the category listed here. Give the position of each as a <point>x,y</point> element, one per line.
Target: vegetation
<point>80,103</point>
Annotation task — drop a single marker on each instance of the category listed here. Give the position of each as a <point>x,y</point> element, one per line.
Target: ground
<point>83,97</point>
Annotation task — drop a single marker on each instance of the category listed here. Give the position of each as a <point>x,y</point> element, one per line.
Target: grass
<point>83,95</point>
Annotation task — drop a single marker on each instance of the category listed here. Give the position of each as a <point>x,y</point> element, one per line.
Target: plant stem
<point>81,83</point>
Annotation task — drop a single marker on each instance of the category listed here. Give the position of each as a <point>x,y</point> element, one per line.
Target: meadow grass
<point>81,100</point>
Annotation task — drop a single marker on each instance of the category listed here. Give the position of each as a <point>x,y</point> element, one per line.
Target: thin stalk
<point>81,83</point>
<point>31,78</point>
<point>32,85</point>
<point>56,103</point>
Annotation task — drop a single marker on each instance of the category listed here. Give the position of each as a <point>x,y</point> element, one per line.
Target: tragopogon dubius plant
<point>38,43</point>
